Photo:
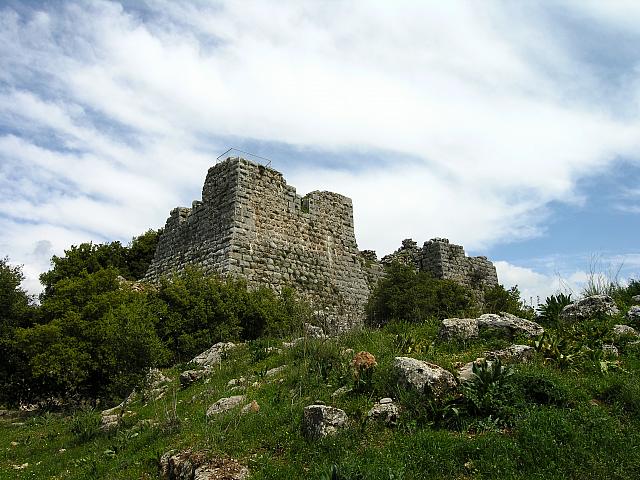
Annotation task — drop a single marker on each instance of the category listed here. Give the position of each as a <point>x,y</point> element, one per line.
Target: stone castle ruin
<point>252,225</point>
<point>442,259</point>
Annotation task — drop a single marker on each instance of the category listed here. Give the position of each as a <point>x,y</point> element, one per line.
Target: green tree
<point>131,261</point>
<point>498,299</point>
<point>82,260</point>
<point>16,310</point>
<point>15,304</point>
<point>139,254</point>
<point>95,340</point>
<point>408,295</point>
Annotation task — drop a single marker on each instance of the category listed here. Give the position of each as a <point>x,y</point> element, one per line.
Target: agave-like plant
<point>549,311</point>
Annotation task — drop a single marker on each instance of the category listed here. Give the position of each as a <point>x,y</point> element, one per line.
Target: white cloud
<point>115,115</point>
<point>556,275</point>
<point>535,287</point>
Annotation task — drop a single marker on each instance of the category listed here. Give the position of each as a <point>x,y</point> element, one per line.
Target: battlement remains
<point>442,259</point>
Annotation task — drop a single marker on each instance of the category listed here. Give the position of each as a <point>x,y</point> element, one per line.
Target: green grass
<point>575,423</point>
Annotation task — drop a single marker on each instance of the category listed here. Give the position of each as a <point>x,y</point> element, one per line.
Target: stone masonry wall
<point>250,223</point>
<point>445,260</point>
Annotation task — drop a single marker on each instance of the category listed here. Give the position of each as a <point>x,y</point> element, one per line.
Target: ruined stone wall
<point>445,260</point>
<point>250,223</point>
<point>203,234</point>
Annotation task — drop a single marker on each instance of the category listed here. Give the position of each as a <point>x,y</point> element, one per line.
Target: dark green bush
<point>93,340</point>
<point>407,295</point>
<point>623,295</point>
<point>16,311</point>
<point>195,310</point>
<point>131,261</point>
<point>498,299</point>
<point>540,389</point>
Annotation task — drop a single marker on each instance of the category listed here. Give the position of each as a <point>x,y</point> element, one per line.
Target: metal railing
<point>236,152</point>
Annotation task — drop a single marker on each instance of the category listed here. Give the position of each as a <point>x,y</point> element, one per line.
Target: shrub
<point>490,392</point>
<point>407,295</point>
<point>131,261</point>
<point>195,310</point>
<point>95,341</point>
<point>550,310</point>
<point>15,311</point>
<point>498,299</point>
<point>623,296</point>
<point>539,389</point>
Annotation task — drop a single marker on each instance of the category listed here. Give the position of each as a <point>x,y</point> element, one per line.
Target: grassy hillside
<point>573,414</point>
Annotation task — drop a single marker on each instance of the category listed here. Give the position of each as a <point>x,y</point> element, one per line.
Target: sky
<point>511,128</point>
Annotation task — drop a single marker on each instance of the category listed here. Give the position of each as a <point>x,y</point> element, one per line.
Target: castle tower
<point>251,224</point>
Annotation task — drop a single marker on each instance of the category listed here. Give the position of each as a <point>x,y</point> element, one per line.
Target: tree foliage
<point>405,294</point>
<point>498,299</point>
<point>15,304</point>
<point>131,261</point>
<point>195,310</point>
<point>94,340</point>
<point>16,311</point>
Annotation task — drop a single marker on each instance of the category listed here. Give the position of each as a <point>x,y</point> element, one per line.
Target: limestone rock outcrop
<point>423,377</point>
<point>321,420</point>
<point>625,330</point>
<point>188,465</point>
<point>511,354</point>
<point>633,315</point>
<point>588,308</point>
<point>225,404</point>
<point>504,323</point>
<point>386,411</point>
<point>214,355</point>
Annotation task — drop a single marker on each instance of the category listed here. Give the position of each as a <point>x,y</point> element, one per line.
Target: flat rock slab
<point>423,377</point>
<point>509,324</point>
<point>588,308</point>
<point>503,323</point>
<point>225,404</point>
<point>275,371</point>
<point>320,421</point>
<point>513,353</point>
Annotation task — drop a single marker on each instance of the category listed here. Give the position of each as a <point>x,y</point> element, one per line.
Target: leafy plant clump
<point>407,295</point>
<point>490,392</point>
<point>549,311</point>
